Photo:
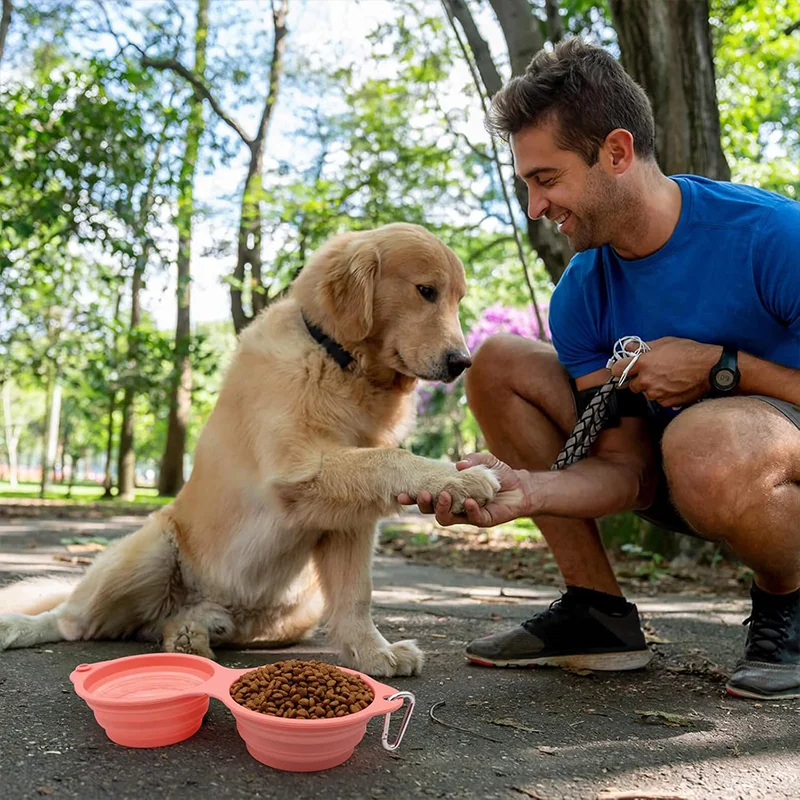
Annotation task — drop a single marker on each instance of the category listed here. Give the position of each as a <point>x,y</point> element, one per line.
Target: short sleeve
<point>776,263</point>
<point>575,322</point>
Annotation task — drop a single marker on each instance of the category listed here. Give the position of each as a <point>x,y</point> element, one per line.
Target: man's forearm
<point>594,487</point>
<point>765,377</point>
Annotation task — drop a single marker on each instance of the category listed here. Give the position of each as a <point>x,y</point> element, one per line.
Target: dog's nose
<point>457,362</point>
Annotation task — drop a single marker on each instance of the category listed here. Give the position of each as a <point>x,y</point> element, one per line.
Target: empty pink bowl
<point>159,699</point>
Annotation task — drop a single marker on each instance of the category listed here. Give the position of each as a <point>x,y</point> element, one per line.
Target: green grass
<point>81,493</point>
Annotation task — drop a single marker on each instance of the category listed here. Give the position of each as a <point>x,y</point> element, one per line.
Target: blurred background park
<point>167,166</point>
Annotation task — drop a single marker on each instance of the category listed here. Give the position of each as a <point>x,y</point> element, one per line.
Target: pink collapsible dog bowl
<point>160,699</point>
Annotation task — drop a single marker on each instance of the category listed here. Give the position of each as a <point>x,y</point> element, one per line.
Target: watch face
<point>724,378</point>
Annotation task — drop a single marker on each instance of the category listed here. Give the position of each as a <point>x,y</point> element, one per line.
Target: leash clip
<point>621,351</point>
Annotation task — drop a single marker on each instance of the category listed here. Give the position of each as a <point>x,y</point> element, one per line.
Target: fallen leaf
<point>651,637</point>
<point>45,789</point>
<point>550,751</point>
<point>702,668</point>
<point>72,559</point>
<point>664,718</point>
<point>512,723</point>
<point>527,792</point>
<point>89,547</point>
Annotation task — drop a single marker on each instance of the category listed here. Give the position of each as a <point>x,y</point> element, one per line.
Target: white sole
<point>744,693</point>
<point>600,662</point>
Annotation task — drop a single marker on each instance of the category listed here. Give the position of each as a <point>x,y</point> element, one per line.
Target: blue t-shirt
<point>728,275</point>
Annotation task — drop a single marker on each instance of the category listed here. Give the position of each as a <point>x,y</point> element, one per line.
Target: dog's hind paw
<point>191,639</point>
<point>400,658</point>
<point>9,629</point>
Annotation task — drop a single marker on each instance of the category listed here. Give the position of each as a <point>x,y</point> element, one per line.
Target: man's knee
<point>503,360</point>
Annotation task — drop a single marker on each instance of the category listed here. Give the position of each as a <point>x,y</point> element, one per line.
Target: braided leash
<point>594,415</point>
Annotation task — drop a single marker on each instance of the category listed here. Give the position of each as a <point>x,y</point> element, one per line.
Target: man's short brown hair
<point>585,91</point>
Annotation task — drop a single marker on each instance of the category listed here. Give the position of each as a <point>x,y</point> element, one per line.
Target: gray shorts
<point>662,512</point>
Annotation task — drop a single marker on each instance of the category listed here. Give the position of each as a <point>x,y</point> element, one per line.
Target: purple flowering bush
<point>495,319</point>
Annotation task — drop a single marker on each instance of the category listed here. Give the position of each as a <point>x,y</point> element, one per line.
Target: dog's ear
<point>349,285</point>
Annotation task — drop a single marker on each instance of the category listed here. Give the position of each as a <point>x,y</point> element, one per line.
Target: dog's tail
<point>34,596</point>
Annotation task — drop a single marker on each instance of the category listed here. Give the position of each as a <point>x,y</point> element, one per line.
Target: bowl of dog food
<point>300,716</point>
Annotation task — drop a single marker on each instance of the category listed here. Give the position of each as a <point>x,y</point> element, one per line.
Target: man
<point>708,274</point>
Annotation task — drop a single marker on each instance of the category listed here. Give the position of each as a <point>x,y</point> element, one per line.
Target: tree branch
<point>275,66</point>
<point>555,27</point>
<point>202,90</point>
<point>5,22</point>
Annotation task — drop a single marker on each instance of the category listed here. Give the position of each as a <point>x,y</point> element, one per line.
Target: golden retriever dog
<point>292,471</point>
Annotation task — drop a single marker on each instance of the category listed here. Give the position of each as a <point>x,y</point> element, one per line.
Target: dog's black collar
<point>335,350</point>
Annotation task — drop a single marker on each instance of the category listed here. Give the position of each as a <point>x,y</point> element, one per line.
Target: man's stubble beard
<point>608,210</point>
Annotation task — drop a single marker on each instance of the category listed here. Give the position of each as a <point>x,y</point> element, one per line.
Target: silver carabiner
<point>387,745</point>
<point>627,369</point>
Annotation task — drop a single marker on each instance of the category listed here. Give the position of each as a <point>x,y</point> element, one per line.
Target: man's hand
<point>510,502</point>
<point>673,373</point>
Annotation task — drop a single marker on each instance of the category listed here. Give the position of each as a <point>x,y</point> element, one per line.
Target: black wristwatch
<point>724,376</point>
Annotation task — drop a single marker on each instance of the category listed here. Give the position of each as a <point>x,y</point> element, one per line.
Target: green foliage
<point>758,75</point>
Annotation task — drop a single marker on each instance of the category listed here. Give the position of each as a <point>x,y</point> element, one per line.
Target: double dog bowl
<point>160,699</point>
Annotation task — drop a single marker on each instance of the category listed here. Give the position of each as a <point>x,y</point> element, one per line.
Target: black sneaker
<point>570,633</point>
<point>770,669</point>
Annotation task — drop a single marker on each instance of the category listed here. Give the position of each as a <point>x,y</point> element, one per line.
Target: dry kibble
<point>302,690</point>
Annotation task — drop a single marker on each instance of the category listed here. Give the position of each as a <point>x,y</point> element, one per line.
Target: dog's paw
<point>400,658</point>
<point>479,483</point>
<point>409,659</point>
<point>191,639</point>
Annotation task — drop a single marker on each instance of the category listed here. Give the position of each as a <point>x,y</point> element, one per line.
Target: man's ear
<point>618,151</point>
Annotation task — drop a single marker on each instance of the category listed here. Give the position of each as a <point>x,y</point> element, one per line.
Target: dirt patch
<point>522,556</point>
<point>64,509</point>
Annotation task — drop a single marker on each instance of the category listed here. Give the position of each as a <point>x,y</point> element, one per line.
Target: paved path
<point>550,734</point>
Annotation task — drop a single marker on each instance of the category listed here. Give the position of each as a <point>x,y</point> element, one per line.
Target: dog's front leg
<point>344,565</point>
<point>341,487</point>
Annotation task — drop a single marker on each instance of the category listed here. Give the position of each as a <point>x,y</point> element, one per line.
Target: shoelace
<point>768,630</point>
<point>558,605</point>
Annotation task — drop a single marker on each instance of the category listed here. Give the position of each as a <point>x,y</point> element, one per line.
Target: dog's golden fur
<point>293,469</point>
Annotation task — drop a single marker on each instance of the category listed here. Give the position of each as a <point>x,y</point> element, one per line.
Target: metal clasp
<point>627,369</point>
<point>387,745</point>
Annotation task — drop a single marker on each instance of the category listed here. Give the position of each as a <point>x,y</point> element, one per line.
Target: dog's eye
<point>428,292</point>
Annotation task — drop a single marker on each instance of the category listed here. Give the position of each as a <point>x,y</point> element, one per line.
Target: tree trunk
<point>666,48</point>
<point>523,38</point>
<point>12,433</point>
<point>126,463</point>
<point>63,444</point>
<point>74,461</point>
<point>108,480</point>
<point>521,30</point>
<point>50,433</point>
<point>5,22</point>
<point>248,262</point>
<point>171,474</point>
